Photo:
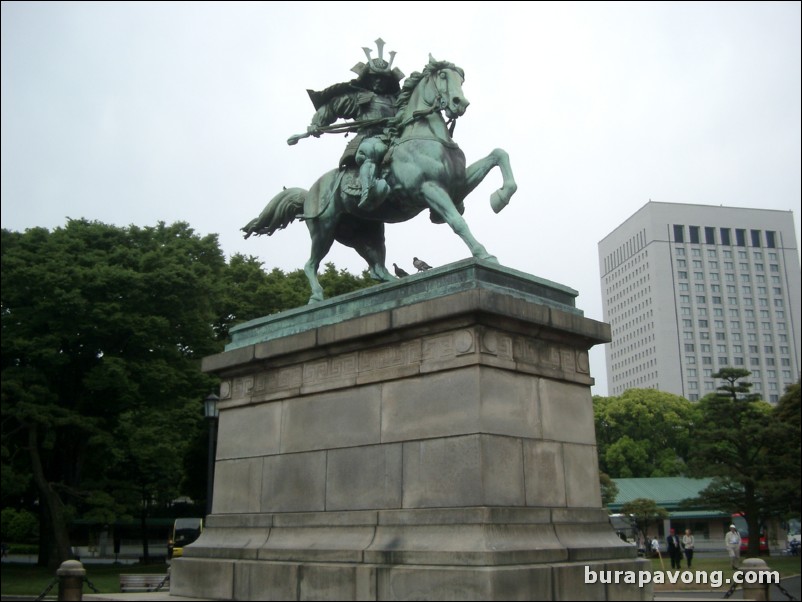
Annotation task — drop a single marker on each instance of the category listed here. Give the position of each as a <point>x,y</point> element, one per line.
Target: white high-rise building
<point>690,289</point>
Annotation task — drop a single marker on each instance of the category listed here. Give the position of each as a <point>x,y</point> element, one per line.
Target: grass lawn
<point>31,580</point>
<point>786,565</point>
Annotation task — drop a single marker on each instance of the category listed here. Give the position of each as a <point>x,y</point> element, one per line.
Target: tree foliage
<point>741,443</point>
<point>643,433</point>
<point>609,490</point>
<point>103,329</point>
<point>645,512</point>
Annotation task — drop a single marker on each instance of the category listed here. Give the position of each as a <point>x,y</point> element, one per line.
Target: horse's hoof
<point>490,258</point>
<point>498,201</point>
<point>315,299</point>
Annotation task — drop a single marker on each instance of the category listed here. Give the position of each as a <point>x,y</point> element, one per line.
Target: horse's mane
<point>411,82</point>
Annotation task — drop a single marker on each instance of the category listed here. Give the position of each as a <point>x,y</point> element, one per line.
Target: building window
<point>682,275</point>
<point>725,237</point>
<point>770,239</point>
<point>689,347</point>
<point>694,233</point>
<point>755,237</point>
<point>740,237</point>
<point>679,233</point>
<point>710,235</point>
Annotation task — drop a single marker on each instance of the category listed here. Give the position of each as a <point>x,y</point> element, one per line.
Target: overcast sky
<point>146,112</point>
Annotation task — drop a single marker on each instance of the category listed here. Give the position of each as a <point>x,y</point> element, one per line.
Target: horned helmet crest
<point>379,67</point>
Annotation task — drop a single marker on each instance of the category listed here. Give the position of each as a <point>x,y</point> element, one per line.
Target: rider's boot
<point>374,191</point>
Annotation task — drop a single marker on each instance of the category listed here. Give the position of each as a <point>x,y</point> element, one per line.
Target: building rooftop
<point>667,492</point>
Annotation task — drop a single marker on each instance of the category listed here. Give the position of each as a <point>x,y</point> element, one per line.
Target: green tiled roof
<point>668,492</point>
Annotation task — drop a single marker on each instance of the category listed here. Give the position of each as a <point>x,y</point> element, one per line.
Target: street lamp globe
<point>210,406</point>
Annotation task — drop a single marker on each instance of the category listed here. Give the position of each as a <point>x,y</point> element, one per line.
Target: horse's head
<point>444,87</point>
<point>438,87</point>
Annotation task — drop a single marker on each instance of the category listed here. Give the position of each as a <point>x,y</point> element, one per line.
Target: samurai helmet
<point>379,67</point>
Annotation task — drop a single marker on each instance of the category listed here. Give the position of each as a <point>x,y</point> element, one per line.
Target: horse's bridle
<point>439,104</point>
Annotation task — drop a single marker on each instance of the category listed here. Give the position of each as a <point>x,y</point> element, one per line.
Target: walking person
<point>674,549</point>
<point>732,541</point>
<point>687,546</point>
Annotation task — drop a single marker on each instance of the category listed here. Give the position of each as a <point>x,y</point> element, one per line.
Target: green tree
<point>643,433</point>
<point>786,484</point>
<point>738,442</point>
<point>99,322</point>
<point>645,512</point>
<point>103,329</point>
<point>609,490</point>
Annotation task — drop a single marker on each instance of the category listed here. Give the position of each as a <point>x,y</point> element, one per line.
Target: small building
<point>708,526</point>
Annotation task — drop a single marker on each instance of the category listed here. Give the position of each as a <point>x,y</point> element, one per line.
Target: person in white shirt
<point>687,546</point>
<point>732,540</point>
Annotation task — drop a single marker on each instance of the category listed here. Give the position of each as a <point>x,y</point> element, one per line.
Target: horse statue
<point>424,168</point>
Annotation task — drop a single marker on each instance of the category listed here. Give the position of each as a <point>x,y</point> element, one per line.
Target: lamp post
<point>211,412</point>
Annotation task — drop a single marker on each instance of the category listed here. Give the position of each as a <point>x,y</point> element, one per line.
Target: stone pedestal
<point>430,438</point>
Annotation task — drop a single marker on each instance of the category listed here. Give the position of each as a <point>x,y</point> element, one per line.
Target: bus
<point>740,524</point>
<point>185,531</point>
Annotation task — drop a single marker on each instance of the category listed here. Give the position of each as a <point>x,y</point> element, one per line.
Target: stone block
<point>450,583</point>
<point>473,470</point>
<point>266,580</point>
<point>569,582</point>
<point>364,477</point>
<point>249,431</point>
<point>566,412</point>
<point>582,476</point>
<point>509,404</point>
<point>213,578</point>
<point>237,486</point>
<point>320,582</point>
<point>544,474</point>
<point>294,483</point>
<point>354,328</point>
<point>437,405</point>
<point>332,420</point>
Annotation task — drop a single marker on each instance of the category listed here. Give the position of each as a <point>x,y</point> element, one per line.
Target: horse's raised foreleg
<point>437,198</point>
<point>476,172</point>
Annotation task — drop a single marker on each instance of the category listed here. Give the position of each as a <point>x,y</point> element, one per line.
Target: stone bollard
<point>757,590</point>
<point>71,575</point>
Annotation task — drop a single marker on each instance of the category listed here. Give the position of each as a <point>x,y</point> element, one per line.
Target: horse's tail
<point>280,212</point>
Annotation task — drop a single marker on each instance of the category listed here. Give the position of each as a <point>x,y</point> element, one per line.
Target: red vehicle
<point>740,524</point>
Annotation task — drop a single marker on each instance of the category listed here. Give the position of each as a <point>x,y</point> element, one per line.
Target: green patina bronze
<point>398,166</point>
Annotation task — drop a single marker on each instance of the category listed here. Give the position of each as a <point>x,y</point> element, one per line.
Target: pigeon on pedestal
<point>399,272</point>
<point>420,264</point>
